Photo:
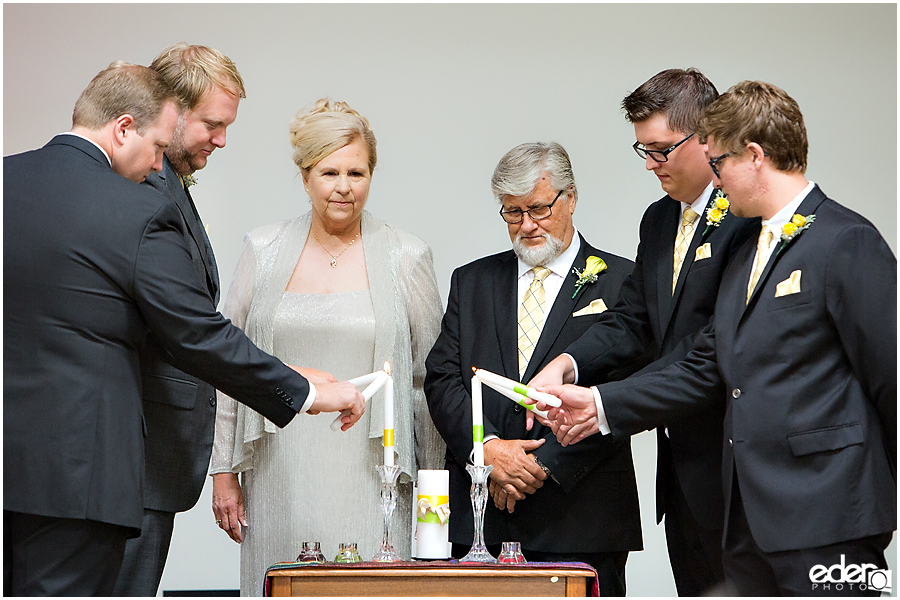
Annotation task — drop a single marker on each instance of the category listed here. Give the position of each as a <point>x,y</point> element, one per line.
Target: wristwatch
<point>544,468</point>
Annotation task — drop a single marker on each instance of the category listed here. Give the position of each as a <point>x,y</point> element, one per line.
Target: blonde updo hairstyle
<point>329,126</point>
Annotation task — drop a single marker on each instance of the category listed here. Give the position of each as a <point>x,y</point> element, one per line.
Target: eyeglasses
<point>537,213</point>
<point>660,156</point>
<point>714,161</point>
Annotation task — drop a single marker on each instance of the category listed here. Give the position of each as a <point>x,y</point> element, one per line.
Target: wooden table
<point>431,579</point>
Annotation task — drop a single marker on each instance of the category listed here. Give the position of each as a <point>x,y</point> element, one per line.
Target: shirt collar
<point>91,141</point>
<point>562,263</point>
<point>699,205</point>
<point>784,215</point>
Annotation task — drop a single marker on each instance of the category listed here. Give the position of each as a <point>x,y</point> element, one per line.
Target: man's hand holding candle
<point>576,418</point>
<point>315,377</point>
<point>340,397</point>
<point>558,371</point>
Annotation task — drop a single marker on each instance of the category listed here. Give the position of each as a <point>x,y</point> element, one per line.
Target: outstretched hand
<point>576,418</point>
<point>343,397</point>
<point>557,372</point>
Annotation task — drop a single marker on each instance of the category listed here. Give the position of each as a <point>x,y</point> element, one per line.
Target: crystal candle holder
<point>389,475</point>
<point>348,554</point>
<point>312,552</point>
<point>512,554</point>
<point>479,493</point>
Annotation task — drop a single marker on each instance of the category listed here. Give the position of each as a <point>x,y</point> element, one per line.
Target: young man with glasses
<point>509,314</point>
<point>665,302</point>
<point>802,355</point>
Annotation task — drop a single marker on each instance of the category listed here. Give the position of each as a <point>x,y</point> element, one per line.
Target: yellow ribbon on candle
<point>388,437</point>
<point>432,509</point>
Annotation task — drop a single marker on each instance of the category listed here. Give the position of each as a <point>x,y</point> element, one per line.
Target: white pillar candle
<point>515,386</point>
<point>477,423</point>
<point>388,418</point>
<point>432,535</point>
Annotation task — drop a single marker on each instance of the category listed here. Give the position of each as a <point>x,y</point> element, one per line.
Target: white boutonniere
<point>793,228</point>
<point>716,212</point>
<point>189,180</point>
<point>593,266</point>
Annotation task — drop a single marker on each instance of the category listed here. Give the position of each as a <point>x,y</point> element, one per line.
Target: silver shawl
<point>407,310</point>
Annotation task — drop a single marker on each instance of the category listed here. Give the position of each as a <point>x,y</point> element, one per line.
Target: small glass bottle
<point>312,552</point>
<point>348,554</point>
<point>511,553</point>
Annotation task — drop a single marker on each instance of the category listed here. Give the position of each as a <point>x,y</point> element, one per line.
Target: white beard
<point>541,255</point>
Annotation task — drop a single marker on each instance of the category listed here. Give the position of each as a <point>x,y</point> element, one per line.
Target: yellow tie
<point>531,317</point>
<point>683,242</point>
<point>762,247</point>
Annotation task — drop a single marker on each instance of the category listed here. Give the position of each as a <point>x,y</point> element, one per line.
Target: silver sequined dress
<point>306,482</point>
<point>334,333</point>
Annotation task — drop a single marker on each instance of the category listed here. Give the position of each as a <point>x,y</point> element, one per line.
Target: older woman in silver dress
<point>341,291</point>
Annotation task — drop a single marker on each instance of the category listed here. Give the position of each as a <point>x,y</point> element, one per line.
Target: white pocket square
<point>704,251</point>
<point>789,286</point>
<point>594,308</point>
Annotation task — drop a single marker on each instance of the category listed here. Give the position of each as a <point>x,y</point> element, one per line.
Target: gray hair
<point>520,169</point>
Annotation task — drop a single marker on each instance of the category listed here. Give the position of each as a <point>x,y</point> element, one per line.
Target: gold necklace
<point>334,257</point>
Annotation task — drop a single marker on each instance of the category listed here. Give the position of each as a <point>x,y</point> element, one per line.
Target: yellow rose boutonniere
<point>593,266</point>
<point>793,228</point>
<point>717,210</point>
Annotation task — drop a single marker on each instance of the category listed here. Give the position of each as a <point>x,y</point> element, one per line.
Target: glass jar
<point>312,552</point>
<point>511,553</point>
<point>348,554</point>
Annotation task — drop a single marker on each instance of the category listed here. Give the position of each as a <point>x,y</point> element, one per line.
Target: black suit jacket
<point>808,381</point>
<point>594,507</point>
<point>92,262</point>
<point>179,409</point>
<point>649,317</point>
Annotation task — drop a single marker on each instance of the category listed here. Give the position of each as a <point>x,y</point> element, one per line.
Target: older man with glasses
<point>687,238</point>
<point>509,314</point>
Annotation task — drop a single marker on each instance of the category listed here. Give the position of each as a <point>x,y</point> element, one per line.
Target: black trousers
<point>145,556</point>
<point>695,552</point>
<point>49,556</point>
<point>751,572</point>
<point>610,566</point>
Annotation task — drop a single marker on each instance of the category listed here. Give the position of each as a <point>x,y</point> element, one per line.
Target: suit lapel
<point>671,221</point>
<point>559,313</point>
<point>195,226</point>
<point>505,295</point>
<point>807,207</point>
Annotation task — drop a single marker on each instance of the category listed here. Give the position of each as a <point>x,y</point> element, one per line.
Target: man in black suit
<point>801,352</point>
<point>93,262</point>
<point>665,302</point>
<point>560,504</point>
<point>180,409</point>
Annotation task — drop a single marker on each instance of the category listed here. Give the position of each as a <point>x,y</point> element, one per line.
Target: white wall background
<point>448,90</point>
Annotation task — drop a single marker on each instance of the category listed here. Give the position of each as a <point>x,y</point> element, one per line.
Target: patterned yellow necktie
<point>683,242</point>
<point>762,247</point>
<point>531,317</point>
